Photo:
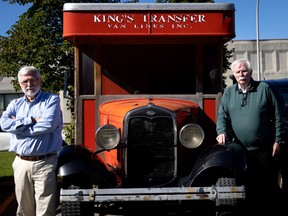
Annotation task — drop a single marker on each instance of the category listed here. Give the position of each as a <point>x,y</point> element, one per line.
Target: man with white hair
<point>249,110</point>
<point>35,122</point>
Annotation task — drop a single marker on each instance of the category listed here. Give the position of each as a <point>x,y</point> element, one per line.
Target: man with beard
<point>35,122</point>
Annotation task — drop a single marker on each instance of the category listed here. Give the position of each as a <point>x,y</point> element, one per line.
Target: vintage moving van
<point>148,81</point>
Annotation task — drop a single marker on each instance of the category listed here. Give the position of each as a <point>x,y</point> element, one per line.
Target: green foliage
<point>68,132</point>
<point>36,39</point>
<point>227,55</point>
<point>226,64</point>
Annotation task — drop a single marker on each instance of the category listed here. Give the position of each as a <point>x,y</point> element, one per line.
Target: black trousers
<point>263,191</point>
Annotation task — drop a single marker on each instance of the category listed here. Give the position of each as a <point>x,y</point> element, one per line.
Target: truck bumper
<point>152,194</point>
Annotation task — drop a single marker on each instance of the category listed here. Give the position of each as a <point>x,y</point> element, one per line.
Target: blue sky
<point>273,16</point>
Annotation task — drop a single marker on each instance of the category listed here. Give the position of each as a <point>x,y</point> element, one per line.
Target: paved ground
<point>8,204</point>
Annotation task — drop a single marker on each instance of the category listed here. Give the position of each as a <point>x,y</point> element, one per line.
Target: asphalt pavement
<point>8,203</point>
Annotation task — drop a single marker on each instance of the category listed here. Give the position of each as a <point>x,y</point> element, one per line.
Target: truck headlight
<point>191,136</point>
<point>107,136</point>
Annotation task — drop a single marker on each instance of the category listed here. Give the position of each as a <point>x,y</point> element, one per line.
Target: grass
<point>6,160</point>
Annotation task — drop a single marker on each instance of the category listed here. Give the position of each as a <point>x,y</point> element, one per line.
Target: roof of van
<point>147,6</point>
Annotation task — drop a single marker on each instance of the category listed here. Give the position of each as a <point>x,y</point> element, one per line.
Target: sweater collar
<point>251,86</point>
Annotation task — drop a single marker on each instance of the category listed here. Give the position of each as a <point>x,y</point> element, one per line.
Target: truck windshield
<point>154,69</point>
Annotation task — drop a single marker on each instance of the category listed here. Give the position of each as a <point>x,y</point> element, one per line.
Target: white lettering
<point>141,26</point>
<point>176,18</point>
<point>115,26</point>
<point>145,18</point>
<point>113,18</point>
<point>157,21</point>
<point>180,26</point>
<point>202,18</point>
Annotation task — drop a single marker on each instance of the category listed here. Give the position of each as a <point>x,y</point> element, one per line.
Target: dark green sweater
<point>257,122</point>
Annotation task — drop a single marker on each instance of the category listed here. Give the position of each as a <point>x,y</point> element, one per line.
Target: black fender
<point>217,161</point>
<point>77,160</point>
<point>73,159</point>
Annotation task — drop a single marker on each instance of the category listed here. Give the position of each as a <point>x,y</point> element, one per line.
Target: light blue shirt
<point>34,139</point>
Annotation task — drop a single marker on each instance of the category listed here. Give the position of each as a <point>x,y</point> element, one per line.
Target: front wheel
<point>77,208</point>
<point>227,207</point>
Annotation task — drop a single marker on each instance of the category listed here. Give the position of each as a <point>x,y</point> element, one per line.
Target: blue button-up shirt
<point>29,138</point>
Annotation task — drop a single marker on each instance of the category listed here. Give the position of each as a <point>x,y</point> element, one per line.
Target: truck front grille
<point>150,148</point>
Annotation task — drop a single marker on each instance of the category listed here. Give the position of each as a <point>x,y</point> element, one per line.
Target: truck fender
<point>74,159</point>
<point>216,161</point>
<point>83,168</point>
<point>73,167</point>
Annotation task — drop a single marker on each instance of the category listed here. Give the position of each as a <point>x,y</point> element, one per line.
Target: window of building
<point>6,98</point>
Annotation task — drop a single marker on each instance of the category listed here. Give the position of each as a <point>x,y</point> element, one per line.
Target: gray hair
<point>26,69</point>
<point>244,61</point>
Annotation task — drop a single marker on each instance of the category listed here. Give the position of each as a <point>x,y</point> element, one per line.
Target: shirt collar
<point>37,95</point>
<point>249,87</point>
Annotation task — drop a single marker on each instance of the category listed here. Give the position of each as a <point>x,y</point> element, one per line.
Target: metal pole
<point>257,38</point>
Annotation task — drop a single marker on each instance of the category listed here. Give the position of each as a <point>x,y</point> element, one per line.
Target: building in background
<point>7,93</point>
<point>273,57</point>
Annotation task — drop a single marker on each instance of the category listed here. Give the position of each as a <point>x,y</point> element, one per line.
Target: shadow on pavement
<point>8,203</point>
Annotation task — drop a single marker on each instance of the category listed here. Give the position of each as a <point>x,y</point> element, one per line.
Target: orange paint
<point>89,124</point>
<point>210,108</point>
<point>153,23</point>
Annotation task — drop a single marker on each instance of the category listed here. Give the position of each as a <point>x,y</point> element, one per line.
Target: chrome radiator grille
<point>150,148</point>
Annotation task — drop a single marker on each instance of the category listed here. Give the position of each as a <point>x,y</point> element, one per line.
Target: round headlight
<point>107,136</point>
<point>191,136</point>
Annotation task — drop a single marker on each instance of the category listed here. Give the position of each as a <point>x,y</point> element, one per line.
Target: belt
<point>36,158</point>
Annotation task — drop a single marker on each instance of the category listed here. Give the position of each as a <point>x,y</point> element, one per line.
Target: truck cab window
<point>148,70</point>
<point>212,74</point>
<point>86,73</point>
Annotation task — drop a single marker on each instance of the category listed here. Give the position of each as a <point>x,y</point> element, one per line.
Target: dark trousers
<point>284,168</point>
<point>263,191</point>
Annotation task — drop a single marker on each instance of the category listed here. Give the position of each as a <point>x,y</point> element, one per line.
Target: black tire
<point>76,208</point>
<point>226,207</point>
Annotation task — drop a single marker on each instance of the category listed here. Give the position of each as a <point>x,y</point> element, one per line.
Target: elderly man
<point>35,122</point>
<point>249,110</point>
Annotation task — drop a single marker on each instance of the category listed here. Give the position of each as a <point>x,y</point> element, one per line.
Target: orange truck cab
<point>148,81</point>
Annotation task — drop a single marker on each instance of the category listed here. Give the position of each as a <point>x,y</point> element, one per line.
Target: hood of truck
<point>118,109</point>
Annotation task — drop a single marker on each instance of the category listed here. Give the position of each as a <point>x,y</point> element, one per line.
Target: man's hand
<point>222,139</point>
<point>276,149</point>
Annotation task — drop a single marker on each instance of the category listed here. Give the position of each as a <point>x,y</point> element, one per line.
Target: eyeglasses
<point>32,82</point>
<point>244,99</point>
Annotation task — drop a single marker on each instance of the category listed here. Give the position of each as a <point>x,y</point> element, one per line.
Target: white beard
<point>31,92</point>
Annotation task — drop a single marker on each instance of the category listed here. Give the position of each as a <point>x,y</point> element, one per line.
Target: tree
<point>36,39</point>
